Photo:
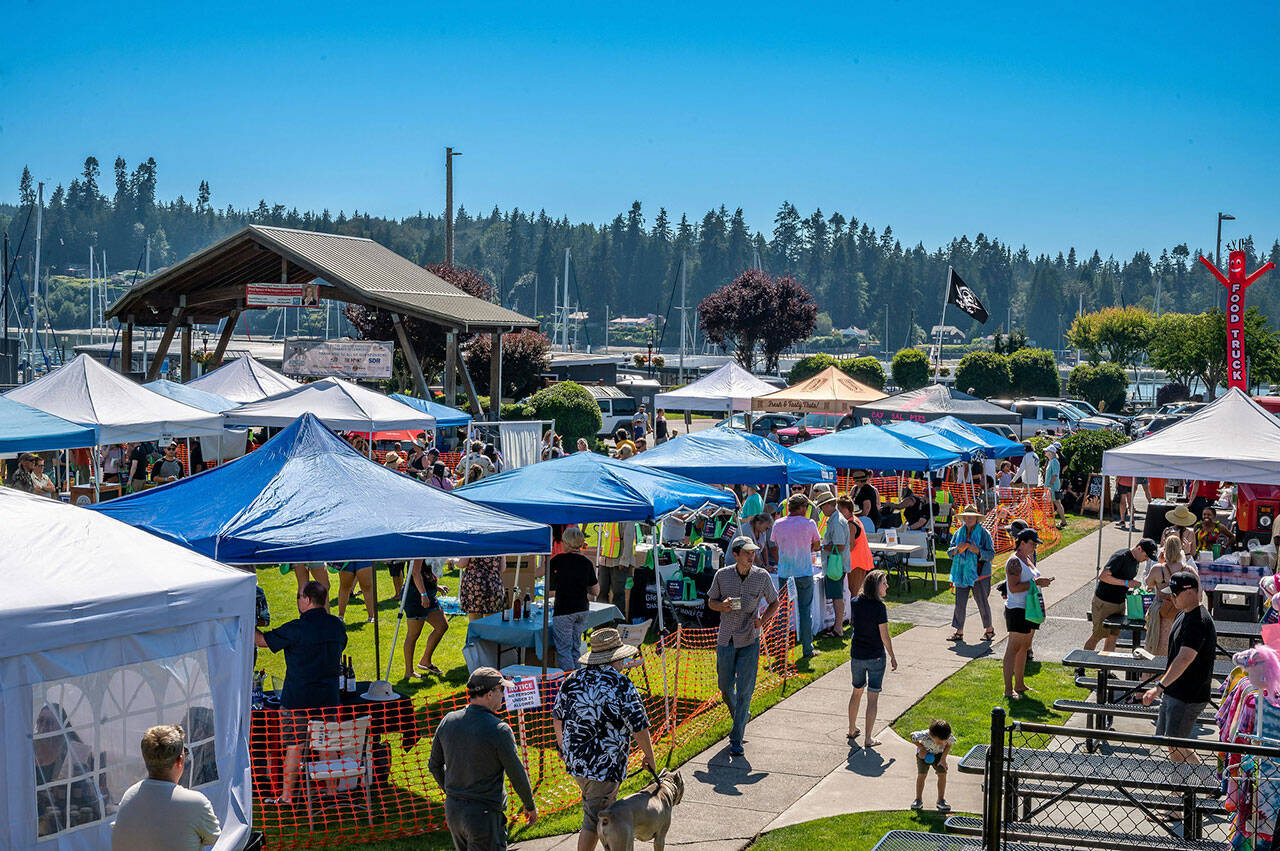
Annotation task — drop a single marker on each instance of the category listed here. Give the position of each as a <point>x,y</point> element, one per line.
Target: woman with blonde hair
<point>1162,611</point>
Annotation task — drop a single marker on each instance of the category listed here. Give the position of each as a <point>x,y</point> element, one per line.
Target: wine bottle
<point>351,676</point>
<point>342,674</point>
<point>528,605</point>
<point>517,610</point>
<point>506,606</point>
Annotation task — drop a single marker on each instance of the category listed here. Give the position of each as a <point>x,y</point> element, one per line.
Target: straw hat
<point>393,457</point>
<point>606,647</point>
<point>1180,516</point>
<point>971,511</point>
<point>380,690</point>
<point>823,498</point>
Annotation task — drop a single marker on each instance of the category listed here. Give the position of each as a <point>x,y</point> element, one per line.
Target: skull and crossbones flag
<point>962,296</point>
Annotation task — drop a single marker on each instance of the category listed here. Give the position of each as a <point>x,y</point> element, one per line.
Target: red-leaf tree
<point>760,311</point>
<point>526,355</point>
<point>427,338</point>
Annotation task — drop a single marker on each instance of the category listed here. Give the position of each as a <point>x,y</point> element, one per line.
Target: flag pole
<point>946,291</point>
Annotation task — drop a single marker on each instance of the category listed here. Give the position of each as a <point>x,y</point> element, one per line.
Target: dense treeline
<point>631,264</point>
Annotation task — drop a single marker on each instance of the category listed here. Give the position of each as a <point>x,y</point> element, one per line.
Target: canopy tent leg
<point>185,366</point>
<point>395,636</point>
<point>929,542</point>
<point>162,350</point>
<point>450,371</point>
<point>377,647</point>
<point>495,375</point>
<point>411,357</point>
<point>1133,497</point>
<point>546,608</point>
<point>657,586</point>
<point>228,328</point>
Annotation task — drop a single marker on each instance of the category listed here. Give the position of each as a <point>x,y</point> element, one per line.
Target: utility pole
<point>93,324</point>
<point>606,328</point>
<point>35,286</point>
<point>1217,253</point>
<point>565,304</point>
<point>449,154</point>
<point>683,281</point>
<point>4,291</point>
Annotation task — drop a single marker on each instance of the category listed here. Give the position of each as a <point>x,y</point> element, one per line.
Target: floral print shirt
<point>600,709</point>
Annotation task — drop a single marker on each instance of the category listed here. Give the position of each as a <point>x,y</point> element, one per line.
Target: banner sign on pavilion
<point>370,359</point>
<point>1236,282</point>
<point>281,295</point>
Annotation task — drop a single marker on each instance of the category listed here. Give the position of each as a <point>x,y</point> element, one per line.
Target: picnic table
<point>491,635</point>
<point>895,557</point>
<point>1226,629</point>
<point>1137,670</point>
<point>1213,573</point>
<point>1073,769</point>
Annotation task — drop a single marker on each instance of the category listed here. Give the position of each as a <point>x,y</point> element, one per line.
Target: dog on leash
<point>646,815</point>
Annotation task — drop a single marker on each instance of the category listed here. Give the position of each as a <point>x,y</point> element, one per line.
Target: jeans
<point>736,668</point>
<point>981,592</point>
<point>804,612</point>
<point>566,631</point>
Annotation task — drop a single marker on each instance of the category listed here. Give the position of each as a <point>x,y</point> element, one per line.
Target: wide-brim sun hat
<point>606,647</point>
<point>380,690</point>
<point>1180,516</point>
<point>971,511</point>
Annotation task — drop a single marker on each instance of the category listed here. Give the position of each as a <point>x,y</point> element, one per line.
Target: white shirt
<point>1029,472</point>
<point>156,815</point>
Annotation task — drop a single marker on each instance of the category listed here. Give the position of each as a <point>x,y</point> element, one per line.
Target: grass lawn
<point>1077,527</point>
<point>966,697</point>
<point>852,832</point>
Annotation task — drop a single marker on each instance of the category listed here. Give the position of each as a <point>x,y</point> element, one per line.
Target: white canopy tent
<point>1232,439</point>
<point>116,632</point>
<point>337,403</point>
<point>86,392</point>
<point>244,380</point>
<point>729,388</point>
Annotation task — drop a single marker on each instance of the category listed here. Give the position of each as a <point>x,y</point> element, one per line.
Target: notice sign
<point>523,694</point>
<point>281,295</point>
<point>369,359</point>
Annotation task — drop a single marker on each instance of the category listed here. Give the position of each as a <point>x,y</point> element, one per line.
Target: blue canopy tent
<point>993,445</point>
<point>585,487</point>
<point>924,434</point>
<point>728,456</point>
<point>308,496</point>
<point>27,429</point>
<point>877,448</point>
<point>446,417</point>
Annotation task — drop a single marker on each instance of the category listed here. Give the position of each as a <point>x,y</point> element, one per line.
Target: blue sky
<point>1045,125</point>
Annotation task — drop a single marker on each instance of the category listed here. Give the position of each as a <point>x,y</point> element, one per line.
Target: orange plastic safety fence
<point>364,772</point>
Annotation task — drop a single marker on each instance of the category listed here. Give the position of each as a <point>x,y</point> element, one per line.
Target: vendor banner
<point>281,295</point>
<point>369,359</point>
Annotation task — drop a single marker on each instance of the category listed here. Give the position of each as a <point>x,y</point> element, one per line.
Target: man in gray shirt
<point>473,748</point>
<point>157,814</point>
<point>736,593</point>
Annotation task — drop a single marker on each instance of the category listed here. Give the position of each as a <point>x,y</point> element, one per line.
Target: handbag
<point>835,566</point>
<point>1133,608</point>
<point>1035,604</point>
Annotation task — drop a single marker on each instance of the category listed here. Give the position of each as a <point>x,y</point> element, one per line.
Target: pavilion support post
<point>450,367</point>
<point>470,387</point>
<point>162,350</point>
<point>410,356</point>
<point>228,328</point>
<point>126,347</point>
<point>495,375</point>
<point>186,353</point>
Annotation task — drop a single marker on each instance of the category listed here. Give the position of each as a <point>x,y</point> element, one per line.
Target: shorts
<point>293,727</point>
<point>834,588</point>
<point>395,568</point>
<point>939,765</point>
<point>354,566</point>
<point>1101,610</point>
<point>868,673</point>
<point>1121,490</point>
<point>1177,718</point>
<point>1015,620</point>
<point>596,796</point>
<point>418,606</point>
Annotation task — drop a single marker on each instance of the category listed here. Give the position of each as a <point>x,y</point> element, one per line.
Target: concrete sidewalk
<point>798,766</point>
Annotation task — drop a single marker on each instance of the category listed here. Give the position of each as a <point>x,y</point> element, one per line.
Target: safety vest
<point>610,540</point>
<point>821,522</point>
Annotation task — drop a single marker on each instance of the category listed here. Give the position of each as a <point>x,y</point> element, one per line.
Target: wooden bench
<point>1083,838</point>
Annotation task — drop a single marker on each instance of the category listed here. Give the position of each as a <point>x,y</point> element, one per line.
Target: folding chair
<point>635,634</point>
<point>343,748</point>
<point>923,540</point>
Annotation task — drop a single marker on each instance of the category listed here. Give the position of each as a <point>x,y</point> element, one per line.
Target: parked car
<point>816,424</point>
<point>1039,415</point>
<point>1089,410</point>
<point>760,422</point>
<point>617,407</point>
<point>1143,427</point>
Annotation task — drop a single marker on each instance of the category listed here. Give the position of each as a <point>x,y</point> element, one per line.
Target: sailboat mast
<point>35,286</point>
<point>565,303</point>
<point>683,282</point>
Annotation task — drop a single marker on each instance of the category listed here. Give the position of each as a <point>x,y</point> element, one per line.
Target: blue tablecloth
<point>492,634</point>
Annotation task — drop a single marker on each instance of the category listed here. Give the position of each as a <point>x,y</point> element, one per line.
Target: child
<point>932,748</point>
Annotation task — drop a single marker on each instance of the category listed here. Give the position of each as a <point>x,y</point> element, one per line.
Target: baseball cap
<point>1149,547</point>
<point>1183,580</point>
<point>742,542</point>
<point>1028,534</point>
<point>485,679</point>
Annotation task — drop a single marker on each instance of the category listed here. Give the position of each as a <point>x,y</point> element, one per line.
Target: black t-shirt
<point>140,455</point>
<point>572,574</point>
<point>1123,566</point>
<point>312,646</point>
<point>660,428</point>
<point>866,615</point>
<point>915,512</point>
<point>1193,629</point>
<point>867,493</point>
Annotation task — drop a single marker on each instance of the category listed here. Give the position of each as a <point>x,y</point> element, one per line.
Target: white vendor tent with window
<point>729,388</point>
<point>109,631</point>
<point>1232,439</point>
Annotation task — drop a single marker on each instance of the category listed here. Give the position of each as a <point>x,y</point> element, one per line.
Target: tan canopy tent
<point>828,392</point>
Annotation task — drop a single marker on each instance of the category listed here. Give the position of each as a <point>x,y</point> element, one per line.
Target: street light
<point>1217,254</point>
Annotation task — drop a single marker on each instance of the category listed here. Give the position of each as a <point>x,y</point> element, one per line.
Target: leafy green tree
<point>1121,333</point>
<point>868,370</point>
<point>574,410</point>
<point>984,374</point>
<point>910,369</point>
<point>809,366</point>
<point>1034,372</point>
<point>1102,386</point>
<point>1176,346</point>
<point>526,355</point>
<point>1082,450</point>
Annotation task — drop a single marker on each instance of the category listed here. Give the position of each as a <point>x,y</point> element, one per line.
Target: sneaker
<point>943,806</point>
<point>917,804</point>
<point>736,750</point>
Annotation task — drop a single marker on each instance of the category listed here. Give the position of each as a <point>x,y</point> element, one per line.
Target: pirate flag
<point>960,294</point>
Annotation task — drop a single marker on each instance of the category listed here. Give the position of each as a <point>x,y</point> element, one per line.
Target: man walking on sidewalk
<point>798,539</point>
<point>736,592</point>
